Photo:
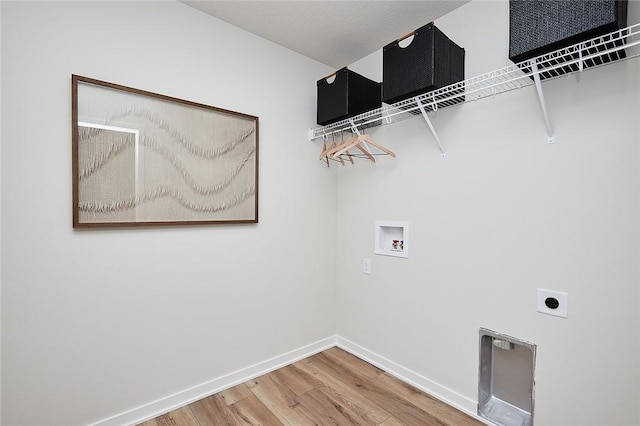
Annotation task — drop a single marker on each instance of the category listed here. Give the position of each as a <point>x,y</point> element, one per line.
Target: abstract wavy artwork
<point>141,158</point>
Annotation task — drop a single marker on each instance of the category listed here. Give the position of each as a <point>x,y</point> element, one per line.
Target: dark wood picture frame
<point>141,159</point>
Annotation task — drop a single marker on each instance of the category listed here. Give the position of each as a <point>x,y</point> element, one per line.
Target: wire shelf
<point>596,52</point>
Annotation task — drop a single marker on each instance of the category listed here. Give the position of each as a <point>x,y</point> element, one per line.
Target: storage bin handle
<point>331,77</point>
<point>406,36</point>
<point>411,33</point>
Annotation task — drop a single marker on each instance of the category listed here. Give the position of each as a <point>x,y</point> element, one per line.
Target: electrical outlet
<point>553,302</point>
<point>366,266</point>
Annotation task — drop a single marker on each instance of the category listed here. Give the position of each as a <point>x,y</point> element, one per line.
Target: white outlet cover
<point>563,302</point>
<point>366,266</point>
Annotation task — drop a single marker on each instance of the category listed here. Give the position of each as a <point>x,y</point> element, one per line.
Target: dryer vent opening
<point>506,379</point>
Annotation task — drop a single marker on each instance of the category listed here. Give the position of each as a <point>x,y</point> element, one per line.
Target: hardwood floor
<point>329,388</point>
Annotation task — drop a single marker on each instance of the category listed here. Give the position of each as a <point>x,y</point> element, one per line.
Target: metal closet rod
<point>494,82</point>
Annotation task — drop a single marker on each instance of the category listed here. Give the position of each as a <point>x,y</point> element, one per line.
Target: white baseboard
<point>443,393</point>
<point>187,396</point>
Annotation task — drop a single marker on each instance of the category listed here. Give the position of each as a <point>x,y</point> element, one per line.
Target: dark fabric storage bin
<point>429,62</point>
<point>537,27</point>
<point>348,95</point>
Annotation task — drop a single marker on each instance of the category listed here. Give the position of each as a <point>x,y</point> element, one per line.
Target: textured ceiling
<point>336,33</point>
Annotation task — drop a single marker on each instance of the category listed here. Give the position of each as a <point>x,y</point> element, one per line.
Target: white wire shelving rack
<point>617,45</point>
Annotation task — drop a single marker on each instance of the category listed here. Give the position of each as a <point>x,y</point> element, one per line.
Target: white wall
<point>505,214</point>
<point>98,322</point>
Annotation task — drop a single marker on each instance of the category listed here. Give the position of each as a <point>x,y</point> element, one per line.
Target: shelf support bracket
<point>551,137</point>
<point>443,153</point>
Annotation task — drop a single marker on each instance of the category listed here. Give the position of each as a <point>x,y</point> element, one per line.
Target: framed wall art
<point>140,158</point>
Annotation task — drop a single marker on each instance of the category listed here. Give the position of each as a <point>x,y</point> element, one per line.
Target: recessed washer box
<point>392,238</point>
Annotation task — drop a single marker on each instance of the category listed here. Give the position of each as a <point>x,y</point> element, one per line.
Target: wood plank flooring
<point>329,388</point>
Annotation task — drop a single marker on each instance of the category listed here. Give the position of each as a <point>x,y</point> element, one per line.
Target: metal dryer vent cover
<point>506,379</point>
